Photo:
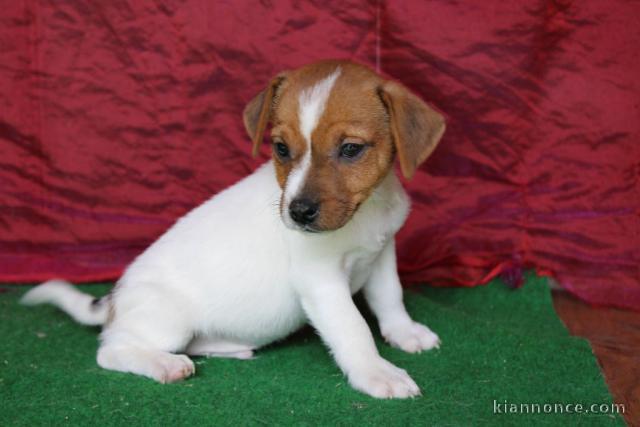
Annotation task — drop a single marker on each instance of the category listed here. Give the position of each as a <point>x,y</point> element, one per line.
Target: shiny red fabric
<point>118,117</point>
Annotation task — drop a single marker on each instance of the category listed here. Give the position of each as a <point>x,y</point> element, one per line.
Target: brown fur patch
<point>362,108</point>
<point>340,185</point>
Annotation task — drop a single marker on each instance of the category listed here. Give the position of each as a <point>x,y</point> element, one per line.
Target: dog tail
<point>84,308</point>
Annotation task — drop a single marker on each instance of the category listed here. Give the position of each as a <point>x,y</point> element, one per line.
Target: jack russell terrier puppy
<point>287,245</point>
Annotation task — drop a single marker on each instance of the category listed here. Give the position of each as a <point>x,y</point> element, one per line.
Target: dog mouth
<point>306,228</point>
<point>311,229</point>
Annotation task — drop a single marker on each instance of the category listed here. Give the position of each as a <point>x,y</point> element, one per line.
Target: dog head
<point>336,128</point>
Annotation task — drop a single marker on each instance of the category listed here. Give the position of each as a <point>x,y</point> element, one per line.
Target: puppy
<point>287,245</point>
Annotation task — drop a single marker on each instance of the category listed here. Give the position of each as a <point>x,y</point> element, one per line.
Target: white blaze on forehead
<point>311,105</point>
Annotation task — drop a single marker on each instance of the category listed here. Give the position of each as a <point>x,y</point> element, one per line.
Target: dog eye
<point>350,150</point>
<point>281,150</point>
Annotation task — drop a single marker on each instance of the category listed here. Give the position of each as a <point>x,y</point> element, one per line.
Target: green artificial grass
<point>497,344</point>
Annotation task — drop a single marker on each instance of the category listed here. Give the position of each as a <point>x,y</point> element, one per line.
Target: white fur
<point>230,277</point>
<point>311,105</point>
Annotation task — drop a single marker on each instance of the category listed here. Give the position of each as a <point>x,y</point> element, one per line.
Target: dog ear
<point>258,111</point>
<point>415,127</point>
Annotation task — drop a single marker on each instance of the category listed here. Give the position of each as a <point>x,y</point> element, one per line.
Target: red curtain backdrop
<point>118,117</point>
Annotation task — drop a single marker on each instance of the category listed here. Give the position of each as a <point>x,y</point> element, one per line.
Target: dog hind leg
<point>142,341</point>
<point>161,366</point>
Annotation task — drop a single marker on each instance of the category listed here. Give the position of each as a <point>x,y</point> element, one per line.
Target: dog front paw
<point>412,337</point>
<point>383,380</point>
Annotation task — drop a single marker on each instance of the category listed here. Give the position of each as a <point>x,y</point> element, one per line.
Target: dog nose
<point>304,211</point>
